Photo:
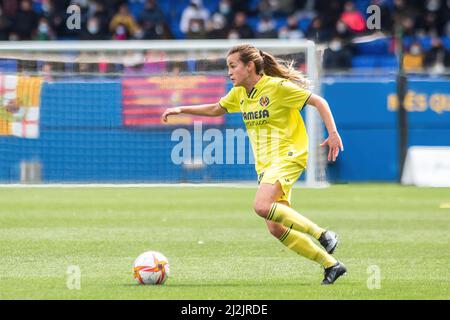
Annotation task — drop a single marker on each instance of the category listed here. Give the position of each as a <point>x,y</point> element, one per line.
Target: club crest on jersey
<point>264,101</point>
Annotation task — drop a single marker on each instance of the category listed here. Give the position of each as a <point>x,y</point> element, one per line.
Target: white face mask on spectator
<point>415,50</point>
<point>195,27</point>
<point>224,8</point>
<point>45,7</point>
<point>283,34</point>
<point>341,27</point>
<point>43,28</point>
<point>218,21</point>
<point>139,34</point>
<point>335,45</point>
<point>233,35</point>
<point>433,5</point>
<point>120,30</point>
<point>92,28</point>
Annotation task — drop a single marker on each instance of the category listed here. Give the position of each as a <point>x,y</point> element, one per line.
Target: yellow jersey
<point>274,125</point>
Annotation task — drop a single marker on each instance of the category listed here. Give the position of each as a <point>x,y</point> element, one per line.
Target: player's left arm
<point>333,141</point>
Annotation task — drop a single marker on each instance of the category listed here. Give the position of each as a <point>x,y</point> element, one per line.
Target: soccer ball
<point>151,267</point>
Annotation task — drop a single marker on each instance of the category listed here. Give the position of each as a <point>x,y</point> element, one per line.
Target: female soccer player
<point>270,93</point>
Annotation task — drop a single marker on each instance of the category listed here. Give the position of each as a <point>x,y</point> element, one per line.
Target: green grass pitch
<point>217,247</point>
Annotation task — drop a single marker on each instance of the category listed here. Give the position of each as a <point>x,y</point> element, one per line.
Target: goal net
<point>89,112</point>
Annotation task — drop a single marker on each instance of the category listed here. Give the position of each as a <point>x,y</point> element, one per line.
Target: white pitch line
<point>238,185</point>
<point>132,185</point>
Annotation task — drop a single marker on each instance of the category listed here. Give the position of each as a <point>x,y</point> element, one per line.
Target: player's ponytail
<point>283,69</point>
<point>269,65</point>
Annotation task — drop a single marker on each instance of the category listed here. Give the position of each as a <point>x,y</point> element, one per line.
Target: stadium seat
<point>253,22</point>
<point>446,42</point>
<point>8,65</point>
<point>387,62</point>
<point>425,42</point>
<point>364,61</point>
<point>303,24</point>
<point>362,5</point>
<point>379,46</point>
<point>279,22</point>
<point>135,7</point>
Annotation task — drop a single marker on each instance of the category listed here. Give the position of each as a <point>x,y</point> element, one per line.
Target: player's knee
<point>262,208</point>
<point>276,229</point>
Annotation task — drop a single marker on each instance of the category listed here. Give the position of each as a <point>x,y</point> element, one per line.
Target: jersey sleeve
<point>231,101</point>
<point>293,96</point>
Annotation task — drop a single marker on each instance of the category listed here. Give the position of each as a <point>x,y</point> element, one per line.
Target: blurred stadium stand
<point>428,19</point>
<point>82,133</point>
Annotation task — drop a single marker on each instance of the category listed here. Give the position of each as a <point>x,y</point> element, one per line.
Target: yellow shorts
<point>286,172</point>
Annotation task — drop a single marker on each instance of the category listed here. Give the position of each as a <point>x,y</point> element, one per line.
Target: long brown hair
<point>265,63</point>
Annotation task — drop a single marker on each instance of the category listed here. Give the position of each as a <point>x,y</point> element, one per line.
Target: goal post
<point>209,54</point>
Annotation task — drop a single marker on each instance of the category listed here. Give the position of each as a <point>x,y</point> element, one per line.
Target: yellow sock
<point>304,246</point>
<point>290,218</point>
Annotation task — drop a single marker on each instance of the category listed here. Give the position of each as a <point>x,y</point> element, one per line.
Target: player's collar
<point>256,87</point>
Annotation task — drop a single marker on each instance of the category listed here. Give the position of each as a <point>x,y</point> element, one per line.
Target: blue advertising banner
<point>366,116</point>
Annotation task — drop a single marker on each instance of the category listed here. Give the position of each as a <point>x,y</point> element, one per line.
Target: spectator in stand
<point>242,6</point>
<point>287,7</point>
<point>408,25</point>
<point>266,28</point>
<point>241,26</point>
<point>317,32</point>
<point>46,72</point>
<point>342,31</point>
<point>55,12</point>
<point>330,10</point>
<point>414,58</point>
<point>26,21</point>
<point>405,15</point>
<point>10,8</point>
<point>5,26</point>
<point>92,30</point>
<point>291,30</point>
<point>225,9</point>
<point>103,15</point>
<point>428,24</point>
<point>197,29</point>
<point>152,20</point>
<point>337,56</point>
<point>269,7</point>
<point>123,25</point>
<point>46,8</point>
<point>352,18</point>
<point>217,27</point>
<point>233,34</point>
<point>44,31</point>
<point>194,18</point>
<point>438,57</point>
<point>437,14</point>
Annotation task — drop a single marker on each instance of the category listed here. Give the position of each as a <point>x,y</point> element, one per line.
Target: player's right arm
<point>209,110</point>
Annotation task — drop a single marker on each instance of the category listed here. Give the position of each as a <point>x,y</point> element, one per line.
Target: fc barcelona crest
<point>264,101</point>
